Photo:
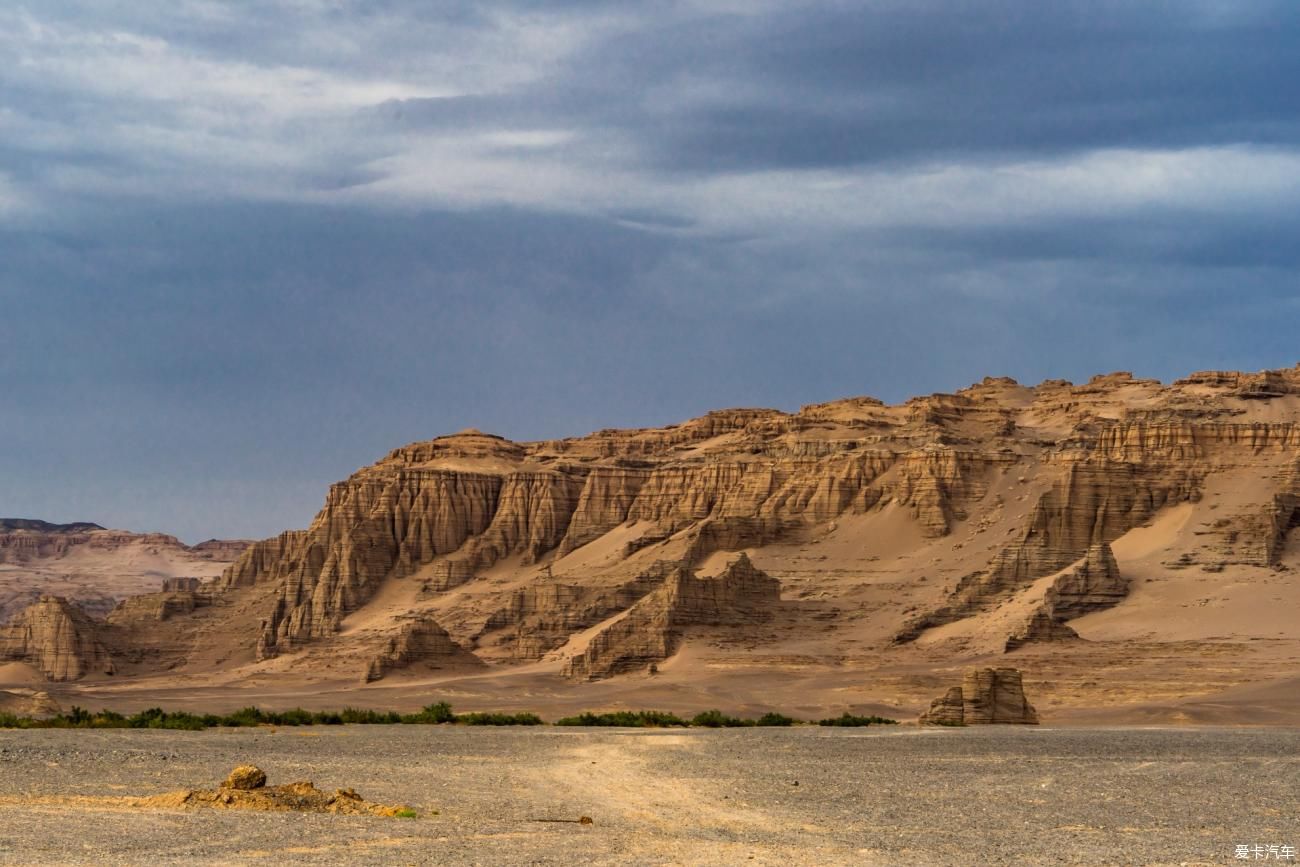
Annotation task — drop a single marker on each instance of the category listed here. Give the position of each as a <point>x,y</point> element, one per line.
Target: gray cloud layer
<point>250,246</point>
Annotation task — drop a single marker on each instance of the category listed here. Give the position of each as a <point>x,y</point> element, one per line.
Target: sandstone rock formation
<point>948,710</point>
<point>1042,625</point>
<point>57,638</point>
<point>36,704</point>
<point>987,696</point>
<point>1092,585</point>
<point>31,525</point>
<point>94,567</point>
<point>651,629</point>
<point>540,618</point>
<point>465,502</point>
<point>156,606</point>
<point>220,550</point>
<point>418,640</point>
<point>951,526</point>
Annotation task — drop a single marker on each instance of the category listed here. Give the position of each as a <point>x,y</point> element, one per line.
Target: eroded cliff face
<point>832,536</point>
<point>375,526</point>
<point>1116,475</point>
<point>461,504</point>
<point>58,639</point>
<point>1120,449</point>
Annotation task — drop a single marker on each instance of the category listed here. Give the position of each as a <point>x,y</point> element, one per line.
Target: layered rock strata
<point>1094,584</point>
<point>462,503</point>
<point>418,640</point>
<point>651,629</point>
<point>1115,476</point>
<point>23,540</point>
<point>93,567</point>
<point>541,618</point>
<point>58,639</point>
<point>157,606</point>
<point>987,696</point>
<point>947,710</point>
<point>1041,625</point>
<point>882,521</point>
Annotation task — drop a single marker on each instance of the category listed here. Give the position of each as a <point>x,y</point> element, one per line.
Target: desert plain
<point>997,795</point>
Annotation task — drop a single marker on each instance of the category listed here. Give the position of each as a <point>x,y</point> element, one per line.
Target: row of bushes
<point>639,719</point>
<point>157,718</point>
<point>849,720</point>
<point>717,719</point>
<point>434,714</point>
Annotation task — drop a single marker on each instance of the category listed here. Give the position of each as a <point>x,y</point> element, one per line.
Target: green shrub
<point>153,718</point>
<point>181,721</point>
<point>249,716</point>
<point>157,718</point>
<point>716,719</point>
<point>295,717</point>
<point>772,718</point>
<point>432,714</point>
<point>360,716</point>
<point>625,719</point>
<point>145,718</point>
<point>499,719</point>
<point>848,720</point>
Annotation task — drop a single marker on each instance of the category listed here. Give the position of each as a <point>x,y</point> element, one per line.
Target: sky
<point>248,247</point>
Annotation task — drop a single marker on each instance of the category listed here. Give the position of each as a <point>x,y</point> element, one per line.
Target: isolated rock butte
<point>57,638</point>
<point>987,696</point>
<point>871,524</point>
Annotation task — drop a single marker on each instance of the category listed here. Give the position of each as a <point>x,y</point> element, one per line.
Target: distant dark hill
<point>10,524</point>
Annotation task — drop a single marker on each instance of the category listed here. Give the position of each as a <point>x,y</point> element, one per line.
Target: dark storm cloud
<point>247,247</point>
<point>848,84</point>
<point>919,80</point>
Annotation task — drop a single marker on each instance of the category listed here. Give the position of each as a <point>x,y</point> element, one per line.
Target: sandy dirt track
<point>798,796</point>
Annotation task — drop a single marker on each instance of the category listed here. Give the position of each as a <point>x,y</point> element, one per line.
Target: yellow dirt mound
<point>301,797</point>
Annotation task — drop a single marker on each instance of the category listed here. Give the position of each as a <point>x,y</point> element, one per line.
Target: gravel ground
<point>768,796</point>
